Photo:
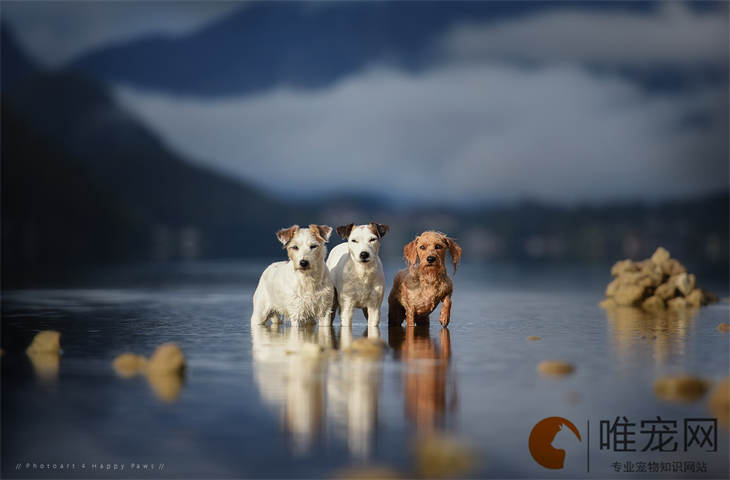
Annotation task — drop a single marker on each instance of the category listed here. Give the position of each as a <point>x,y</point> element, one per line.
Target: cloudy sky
<point>536,106</point>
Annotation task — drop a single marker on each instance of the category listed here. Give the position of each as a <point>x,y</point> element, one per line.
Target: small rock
<point>442,456</point>
<point>680,388</point>
<point>709,298</point>
<point>47,341</point>
<point>629,295</point>
<point>672,267</point>
<point>613,287</point>
<point>128,364</point>
<point>653,304</point>
<point>46,365</point>
<point>694,299</point>
<point>660,256</point>
<point>623,266</point>
<point>719,402</point>
<point>555,368</point>
<point>367,347</point>
<point>723,327</point>
<point>167,359</point>
<point>684,282</point>
<point>533,338</point>
<point>608,303</point>
<point>166,386</point>
<point>677,303</point>
<point>654,272</point>
<point>666,291</point>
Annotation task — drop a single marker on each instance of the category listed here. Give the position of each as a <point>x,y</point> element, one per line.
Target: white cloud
<point>671,35</point>
<point>456,134</point>
<point>54,32</point>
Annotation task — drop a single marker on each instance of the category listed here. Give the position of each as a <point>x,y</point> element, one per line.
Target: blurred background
<point>137,132</point>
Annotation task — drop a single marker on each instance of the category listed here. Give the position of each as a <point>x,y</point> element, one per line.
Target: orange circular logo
<point>541,439</point>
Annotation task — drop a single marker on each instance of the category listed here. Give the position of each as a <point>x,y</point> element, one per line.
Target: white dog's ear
<point>344,230</point>
<point>380,229</point>
<point>322,232</point>
<point>285,234</point>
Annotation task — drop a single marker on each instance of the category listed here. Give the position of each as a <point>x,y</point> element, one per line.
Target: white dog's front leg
<point>325,320</point>
<point>259,314</point>
<point>373,316</point>
<point>346,313</point>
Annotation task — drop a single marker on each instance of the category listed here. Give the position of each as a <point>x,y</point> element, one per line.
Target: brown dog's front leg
<point>410,317</point>
<point>445,315</point>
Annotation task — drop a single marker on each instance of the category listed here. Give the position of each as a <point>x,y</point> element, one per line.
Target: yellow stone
<point>660,255</point>
<point>719,402</point>
<point>623,266</point>
<point>677,303</point>
<point>128,364</point>
<point>608,303</point>
<point>555,368</point>
<point>533,338</point>
<point>47,341</point>
<point>367,347</point>
<point>443,456</point>
<point>680,388</point>
<point>723,327</point>
<point>167,359</point>
<point>653,304</point>
<point>629,295</point>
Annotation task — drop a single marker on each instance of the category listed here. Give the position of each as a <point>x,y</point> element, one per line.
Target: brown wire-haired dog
<point>418,289</point>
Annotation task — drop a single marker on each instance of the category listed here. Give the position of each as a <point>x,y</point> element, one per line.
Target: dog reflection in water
<point>352,394</point>
<point>429,395</point>
<point>296,372</point>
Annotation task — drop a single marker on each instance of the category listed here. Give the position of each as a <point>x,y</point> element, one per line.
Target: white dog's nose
<point>364,255</point>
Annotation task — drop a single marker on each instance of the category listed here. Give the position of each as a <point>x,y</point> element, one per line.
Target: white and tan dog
<point>357,271</point>
<point>299,289</point>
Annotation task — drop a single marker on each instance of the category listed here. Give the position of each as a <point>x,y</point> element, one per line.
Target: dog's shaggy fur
<point>357,271</point>
<point>418,289</point>
<point>299,289</point>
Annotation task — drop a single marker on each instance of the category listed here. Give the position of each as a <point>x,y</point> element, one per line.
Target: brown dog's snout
<point>430,259</point>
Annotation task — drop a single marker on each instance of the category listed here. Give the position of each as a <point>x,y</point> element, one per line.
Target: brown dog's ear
<point>344,230</point>
<point>409,251</point>
<point>285,234</point>
<point>323,232</point>
<point>379,228</point>
<point>454,250</point>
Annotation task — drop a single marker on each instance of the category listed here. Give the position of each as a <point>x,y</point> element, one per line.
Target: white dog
<point>357,271</point>
<point>299,289</point>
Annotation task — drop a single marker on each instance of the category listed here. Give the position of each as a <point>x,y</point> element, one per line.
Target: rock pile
<point>655,284</point>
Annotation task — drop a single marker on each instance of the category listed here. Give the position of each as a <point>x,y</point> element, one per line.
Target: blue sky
<point>537,105</point>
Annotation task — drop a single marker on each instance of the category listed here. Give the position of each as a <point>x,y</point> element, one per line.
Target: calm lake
<point>259,404</point>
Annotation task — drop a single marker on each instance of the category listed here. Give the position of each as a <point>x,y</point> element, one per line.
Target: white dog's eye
<point>313,246</point>
<point>294,247</point>
<point>353,240</point>
<point>373,239</point>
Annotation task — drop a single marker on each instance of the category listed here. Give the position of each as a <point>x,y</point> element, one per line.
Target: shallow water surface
<point>264,402</point>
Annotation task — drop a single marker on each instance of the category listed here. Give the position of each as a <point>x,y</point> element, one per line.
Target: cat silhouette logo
<point>541,439</point>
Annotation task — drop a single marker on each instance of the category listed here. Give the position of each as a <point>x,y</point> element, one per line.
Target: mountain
<point>53,212</point>
<point>14,64</point>
<point>299,44</point>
